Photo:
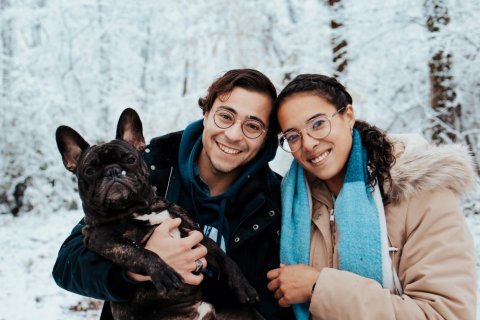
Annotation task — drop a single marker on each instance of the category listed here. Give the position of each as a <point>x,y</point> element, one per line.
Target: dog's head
<point>113,179</point>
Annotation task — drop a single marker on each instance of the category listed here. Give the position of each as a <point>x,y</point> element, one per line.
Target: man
<point>217,169</point>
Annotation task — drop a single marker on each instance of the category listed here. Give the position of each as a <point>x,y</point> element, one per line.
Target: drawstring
<point>223,225</point>
<point>200,224</point>
<point>222,230</point>
<point>397,286</point>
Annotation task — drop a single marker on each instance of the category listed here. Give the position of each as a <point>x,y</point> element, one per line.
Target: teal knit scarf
<point>361,229</point>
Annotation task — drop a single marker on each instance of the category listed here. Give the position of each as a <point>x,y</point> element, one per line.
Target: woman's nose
<point>308,143</point>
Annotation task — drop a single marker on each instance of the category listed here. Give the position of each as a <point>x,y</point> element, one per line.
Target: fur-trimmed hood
<point>421,166</point>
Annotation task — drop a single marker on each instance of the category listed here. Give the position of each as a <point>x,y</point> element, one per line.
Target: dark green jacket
<point>253,244</point>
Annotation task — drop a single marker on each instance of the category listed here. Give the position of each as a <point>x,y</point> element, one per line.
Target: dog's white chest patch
<point>204,309</point>
<point>156,218</point>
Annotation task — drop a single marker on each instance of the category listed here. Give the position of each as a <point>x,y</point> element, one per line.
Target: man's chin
<point>224,168</point>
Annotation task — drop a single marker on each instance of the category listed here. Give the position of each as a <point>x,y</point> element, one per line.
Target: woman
<point>371,225</point>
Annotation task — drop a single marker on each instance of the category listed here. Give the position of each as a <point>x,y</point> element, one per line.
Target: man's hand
<point>179,253</point>
<point>292,284</point>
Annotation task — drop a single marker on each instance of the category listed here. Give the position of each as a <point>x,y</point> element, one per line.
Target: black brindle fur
<point>114,185</point>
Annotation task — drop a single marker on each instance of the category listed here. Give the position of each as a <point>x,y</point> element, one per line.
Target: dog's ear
<point>129,128</point>
<point>71,145</point>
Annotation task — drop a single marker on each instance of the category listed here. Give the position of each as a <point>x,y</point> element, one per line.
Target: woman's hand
<point>292,284</point>
<point>179,253</point>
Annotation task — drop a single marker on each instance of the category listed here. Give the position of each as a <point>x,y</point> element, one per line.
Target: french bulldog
<point>121,212</point>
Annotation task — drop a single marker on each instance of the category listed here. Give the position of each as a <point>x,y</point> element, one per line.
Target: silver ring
<point>198,266</point>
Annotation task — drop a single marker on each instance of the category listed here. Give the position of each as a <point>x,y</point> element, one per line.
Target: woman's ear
<point>349,115</point>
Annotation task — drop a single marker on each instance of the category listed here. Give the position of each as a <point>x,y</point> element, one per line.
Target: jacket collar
<point>421,166</point>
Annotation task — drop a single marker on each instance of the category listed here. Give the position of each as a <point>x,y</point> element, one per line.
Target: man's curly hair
<point>248,79</point>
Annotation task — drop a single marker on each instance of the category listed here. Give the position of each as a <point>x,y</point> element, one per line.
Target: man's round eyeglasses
<point>318,127</point>
<point>251,128</point>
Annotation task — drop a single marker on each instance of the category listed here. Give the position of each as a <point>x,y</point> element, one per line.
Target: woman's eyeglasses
<point>318,128</point>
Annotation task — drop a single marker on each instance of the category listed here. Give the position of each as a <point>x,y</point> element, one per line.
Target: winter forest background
<point>410,65</point>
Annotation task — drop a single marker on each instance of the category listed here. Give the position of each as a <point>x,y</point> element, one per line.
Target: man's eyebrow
<point>256,118</point>
<point>250,117</point>
<point>228,109</point>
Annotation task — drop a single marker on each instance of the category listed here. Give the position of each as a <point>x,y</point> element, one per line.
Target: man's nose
<point>234,133</point>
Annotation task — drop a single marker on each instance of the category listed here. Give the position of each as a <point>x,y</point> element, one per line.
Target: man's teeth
<point>320,157</point>
<point>228,150</point>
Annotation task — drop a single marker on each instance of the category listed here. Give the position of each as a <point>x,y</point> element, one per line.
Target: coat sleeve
<point>436,268</point>
<point>84,272</point>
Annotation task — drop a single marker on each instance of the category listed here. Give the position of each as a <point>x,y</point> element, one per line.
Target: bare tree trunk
<point>185,80</point>
<point>5,98</point>
<point>7,52</point>
<point>37,27</point>
<point>104,66</point>
<point>446,123</point>
<point>339,44</point>
<point>145,53</point>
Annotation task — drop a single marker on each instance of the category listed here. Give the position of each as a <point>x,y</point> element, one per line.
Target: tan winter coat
<point>435,261</point>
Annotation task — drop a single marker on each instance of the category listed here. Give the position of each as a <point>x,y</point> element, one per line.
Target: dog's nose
<point>113,171</point>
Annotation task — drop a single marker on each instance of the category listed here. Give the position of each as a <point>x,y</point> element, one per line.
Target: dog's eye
<point>131,160</point>
<point>89,171</point>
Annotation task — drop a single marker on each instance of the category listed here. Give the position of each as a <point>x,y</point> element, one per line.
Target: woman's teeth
<point>320,157</point>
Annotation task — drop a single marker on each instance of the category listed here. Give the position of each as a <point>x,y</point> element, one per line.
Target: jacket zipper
<point>332,236</point>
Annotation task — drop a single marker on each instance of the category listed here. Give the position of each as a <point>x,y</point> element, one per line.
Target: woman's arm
<point>436,269</point>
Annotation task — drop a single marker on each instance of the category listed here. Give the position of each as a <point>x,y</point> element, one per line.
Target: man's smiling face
<point>226,150</point>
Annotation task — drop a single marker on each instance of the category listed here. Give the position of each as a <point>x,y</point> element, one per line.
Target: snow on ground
<point>29,247</point>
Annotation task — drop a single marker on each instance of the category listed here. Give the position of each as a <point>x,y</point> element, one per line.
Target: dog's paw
<point>166,280</point>
<point>243,291</point>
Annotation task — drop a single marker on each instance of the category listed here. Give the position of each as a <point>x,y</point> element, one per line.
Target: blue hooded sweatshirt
<point>211,212</point>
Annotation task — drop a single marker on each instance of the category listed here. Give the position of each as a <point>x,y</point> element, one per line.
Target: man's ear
<point>71,145</point>
<point>129,129</point>
<point>205,116</point>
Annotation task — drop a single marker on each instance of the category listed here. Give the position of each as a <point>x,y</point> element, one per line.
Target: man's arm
<point>84,272</point>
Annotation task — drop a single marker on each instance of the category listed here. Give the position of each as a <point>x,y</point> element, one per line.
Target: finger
<point>172,223</point>
<point>278,294</point>
<point>283,303</point>
<point>272,274</point>
<point>273,285</point>
<point>193,279</point>
<point>204,261</point>
<point>167,225</point>
<point>198,252</point>
<point>194,238</point>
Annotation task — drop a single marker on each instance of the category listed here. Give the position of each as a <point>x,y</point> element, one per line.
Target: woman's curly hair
<point>379,149</point>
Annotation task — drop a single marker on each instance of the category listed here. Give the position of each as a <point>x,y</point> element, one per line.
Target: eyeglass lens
<point>318,128</point>
<point>251,128</point>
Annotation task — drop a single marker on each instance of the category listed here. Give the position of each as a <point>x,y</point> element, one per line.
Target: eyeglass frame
<point>282,134</point>
<point>263,129</point>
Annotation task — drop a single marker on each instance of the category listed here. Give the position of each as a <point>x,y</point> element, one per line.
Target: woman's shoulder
<point>424,167</point>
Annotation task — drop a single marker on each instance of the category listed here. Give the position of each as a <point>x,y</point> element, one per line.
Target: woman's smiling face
<point>324,158</point>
